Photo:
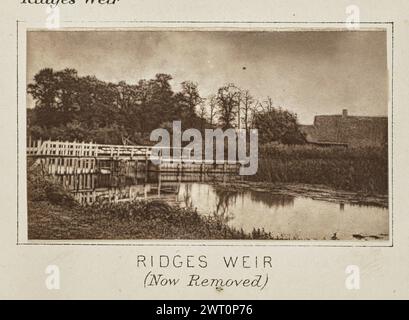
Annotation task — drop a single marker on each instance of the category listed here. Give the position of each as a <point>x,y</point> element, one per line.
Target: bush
<point>42,187</point>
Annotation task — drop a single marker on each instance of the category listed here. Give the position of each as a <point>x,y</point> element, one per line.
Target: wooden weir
<point>66,157</point>
<point>82,167</point>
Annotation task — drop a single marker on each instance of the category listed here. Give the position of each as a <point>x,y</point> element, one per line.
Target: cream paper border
<point>107,271</point>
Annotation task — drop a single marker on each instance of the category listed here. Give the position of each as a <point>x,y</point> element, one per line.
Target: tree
<point>188,99</point>
<point>277,124</point>
<point>267,105</point>
<point>156,102</point>
<point>212,109</point>
<point>202,114</point>
<point>228,101</point>
<point>55,95</point>
<point>247,106</point>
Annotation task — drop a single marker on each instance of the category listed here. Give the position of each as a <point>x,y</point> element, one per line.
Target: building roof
<point>344,129</point>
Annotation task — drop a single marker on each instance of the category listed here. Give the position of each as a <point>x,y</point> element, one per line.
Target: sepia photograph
<point>208,134</point>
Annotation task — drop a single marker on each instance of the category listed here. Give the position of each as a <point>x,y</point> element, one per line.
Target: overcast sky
<point>310,73</point>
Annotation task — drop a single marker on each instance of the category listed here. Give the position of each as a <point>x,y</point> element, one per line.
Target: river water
<point>285,216</point>
<point>296,217</point>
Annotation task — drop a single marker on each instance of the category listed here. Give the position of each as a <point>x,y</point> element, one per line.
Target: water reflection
<point>272,200</point>
<point>225,199</point>
<point>297,217</point>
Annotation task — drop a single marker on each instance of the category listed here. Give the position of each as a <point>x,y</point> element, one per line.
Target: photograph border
<point>226,242</point>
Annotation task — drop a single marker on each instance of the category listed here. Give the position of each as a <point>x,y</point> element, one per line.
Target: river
<point>289,216</point>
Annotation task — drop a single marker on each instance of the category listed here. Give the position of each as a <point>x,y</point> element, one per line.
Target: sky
<point>307,72</point>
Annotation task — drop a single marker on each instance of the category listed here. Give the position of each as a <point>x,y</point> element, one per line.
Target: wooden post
<point>159,184</point>
<point>146,161</point>
<point>80,165</point>
<point>39,146</point>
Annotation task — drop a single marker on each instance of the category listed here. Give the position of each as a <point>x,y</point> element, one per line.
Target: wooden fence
<point>50,148</point>
<point>83,149</point>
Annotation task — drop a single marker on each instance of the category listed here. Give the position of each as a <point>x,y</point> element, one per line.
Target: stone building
<point>346,130</point>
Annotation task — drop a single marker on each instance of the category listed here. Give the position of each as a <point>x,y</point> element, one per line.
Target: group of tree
<point>84,108</point>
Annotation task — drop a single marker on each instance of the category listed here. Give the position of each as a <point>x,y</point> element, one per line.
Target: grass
<point>131,220</point>
<point>352,169</point>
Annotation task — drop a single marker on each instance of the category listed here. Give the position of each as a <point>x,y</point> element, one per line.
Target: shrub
<point>42,187</point>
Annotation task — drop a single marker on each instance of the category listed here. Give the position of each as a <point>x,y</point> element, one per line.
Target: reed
<point>362,169</point>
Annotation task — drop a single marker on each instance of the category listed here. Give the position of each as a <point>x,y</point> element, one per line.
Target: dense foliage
<point>69,107</point>
<point>84,108</point>
<point>277,124</point>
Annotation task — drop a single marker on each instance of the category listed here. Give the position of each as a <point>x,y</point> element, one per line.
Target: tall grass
<point>353,169</point>
<point>130,220</point>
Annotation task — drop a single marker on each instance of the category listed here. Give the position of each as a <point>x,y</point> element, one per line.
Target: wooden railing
<point>82,149</point>
<point>50,148</point>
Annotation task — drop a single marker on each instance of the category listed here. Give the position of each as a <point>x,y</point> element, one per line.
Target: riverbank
<point>129,221</point>
<point>316,192</point>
